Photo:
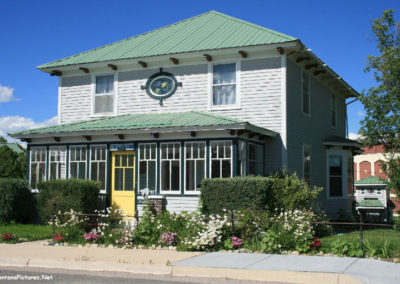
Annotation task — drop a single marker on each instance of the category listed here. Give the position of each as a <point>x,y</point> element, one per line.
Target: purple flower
<point>236,241</point>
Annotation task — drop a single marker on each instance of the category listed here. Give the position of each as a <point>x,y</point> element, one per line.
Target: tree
<point>3,140</point>
<point>381,124</point>
<point>12,164</point>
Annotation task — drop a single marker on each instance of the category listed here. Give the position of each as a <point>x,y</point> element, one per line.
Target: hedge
<point>17,202</point>
<point>281,191</point>
<point>79,195</point>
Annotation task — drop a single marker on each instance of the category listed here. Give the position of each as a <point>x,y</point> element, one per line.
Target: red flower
<point>316,243</point>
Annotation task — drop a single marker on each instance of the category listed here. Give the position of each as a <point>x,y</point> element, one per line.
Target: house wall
<point>260,88</point>
<point>311,129</point>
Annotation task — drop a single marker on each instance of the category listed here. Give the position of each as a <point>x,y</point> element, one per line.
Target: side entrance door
<point>123,181</point>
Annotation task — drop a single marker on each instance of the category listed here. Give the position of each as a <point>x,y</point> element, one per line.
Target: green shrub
<point>281,191</point>
<point>79,195</point>
<point>17,202</point>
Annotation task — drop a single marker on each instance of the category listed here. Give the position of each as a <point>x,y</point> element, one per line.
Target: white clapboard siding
<point>179,204</point>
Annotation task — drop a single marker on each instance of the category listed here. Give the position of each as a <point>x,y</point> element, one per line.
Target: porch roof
<point>145,123</point>
<point>372,180</point>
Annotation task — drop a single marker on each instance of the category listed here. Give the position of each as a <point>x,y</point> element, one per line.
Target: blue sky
<point>37,32</point>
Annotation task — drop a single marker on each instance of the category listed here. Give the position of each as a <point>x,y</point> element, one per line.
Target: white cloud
<point>7,94</point>
<point>354,136</point>
<point>15,123</point>
<point>360,113</point>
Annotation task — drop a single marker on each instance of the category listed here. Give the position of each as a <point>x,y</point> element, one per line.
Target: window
<point>350,175</point>
<point>307,164</point>
<point>221,159</point>
<point>104,94</point>
<point>170,167</point>
<point>306,93</point>
<point>98,159</point>
<point>147,167</point>
<point>241,160</point>
<point>58,155</point>
<point>224,85</point>
<point>195,161</point>
<point>38,166</point>
<point>333,110</point>
<point>255,159</point>
<point>77,162</point>
<point>335,176</point>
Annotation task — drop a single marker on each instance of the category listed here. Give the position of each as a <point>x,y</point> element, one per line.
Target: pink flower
<point>236,241</point>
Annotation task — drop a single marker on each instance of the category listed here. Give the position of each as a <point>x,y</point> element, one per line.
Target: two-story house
<point>210,96</point>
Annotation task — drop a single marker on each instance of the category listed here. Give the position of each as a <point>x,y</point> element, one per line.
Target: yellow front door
<point>123,181</point>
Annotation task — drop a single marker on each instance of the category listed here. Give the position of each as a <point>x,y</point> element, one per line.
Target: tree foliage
<point>381,124</point>
<point>12,164</point>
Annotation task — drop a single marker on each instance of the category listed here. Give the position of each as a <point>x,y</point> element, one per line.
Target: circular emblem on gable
<point>161,85</point>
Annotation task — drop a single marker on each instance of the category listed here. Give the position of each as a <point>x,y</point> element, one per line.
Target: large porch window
<point>147,166</point>
<point>170,167</point>
<point>37,172</point>
<point>77,162</point>
<point>58,155</point>
<point>98,160</point>
<point>195,165</point>
<point>221,159</point>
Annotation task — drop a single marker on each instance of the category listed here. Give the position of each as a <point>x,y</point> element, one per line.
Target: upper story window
<point>305,93</point>
<point>333,110</point>
<point>224,89</point>
<point>104,94</point>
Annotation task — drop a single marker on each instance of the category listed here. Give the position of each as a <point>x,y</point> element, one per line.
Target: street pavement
<point>218,265</point>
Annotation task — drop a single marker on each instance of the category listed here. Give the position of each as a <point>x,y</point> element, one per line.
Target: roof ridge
<point>126,39</point>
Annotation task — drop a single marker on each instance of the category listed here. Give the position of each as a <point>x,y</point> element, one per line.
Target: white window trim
<point>309,93</point>
<point>302,165</point>
<point>196,191</point>
<point>30,165</point>
<point>238,86</point>
<point>69,159</point>
<point>255,161</point>
<point>171,192</point>
<point>333,96</point>
<point>51,148</point>
<point>93,93</point>
<point>102,191</point>
<point>343,154</point>
<point>138,165</point>
<point>211,159</point>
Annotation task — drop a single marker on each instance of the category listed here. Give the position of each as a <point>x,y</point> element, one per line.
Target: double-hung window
<point>58,155</point>
<point>255,159</point>
<point>333,110</point>
<point>104,94</point>
<point>221,159</point>
<point>307,164</point>
<point>170,167</point>
<point>305,93</point>
<point>195,165</point>
<point>38,165</point>
<point>98,160</point>
<point>335,176</point>
<point>147,166</point>
<point>224,89</point>
<point>77,162</point>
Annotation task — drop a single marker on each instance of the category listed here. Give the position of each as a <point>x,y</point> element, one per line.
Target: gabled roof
<point>372,180</point>
<point>145,123</point>
<point>13,146</point>
<point>208,31</point>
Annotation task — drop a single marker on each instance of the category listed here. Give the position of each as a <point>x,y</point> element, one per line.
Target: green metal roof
<point>142,121</point>
<point>208,31</point>
<point>372,180</point>
<point>371,203</point>
<point>13,146</point>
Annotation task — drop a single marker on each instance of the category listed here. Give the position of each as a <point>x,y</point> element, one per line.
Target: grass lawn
<point>30,232</point>
<point>375,237</point>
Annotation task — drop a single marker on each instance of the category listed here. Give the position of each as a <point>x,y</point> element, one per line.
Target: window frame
<point>147,160</point>
<point>259,163</point>
<point>30,163</point>
<point>51,148</point>
<point>93,96</point>
<point>344,154</point>
<point>305,146</point>
<point>237,105</point>
<point>195,191</point>
<point>242,163</point>
<point>171,192</point>
<point>103,191</point>
<point>308,93</point>
<point>211,158</point>
<point>69,160</point>
<point>333,104</point>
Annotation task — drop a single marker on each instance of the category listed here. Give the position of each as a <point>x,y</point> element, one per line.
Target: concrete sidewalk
<point>241,266</point>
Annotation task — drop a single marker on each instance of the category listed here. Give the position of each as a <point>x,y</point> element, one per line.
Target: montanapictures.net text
<point>26,277</point>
